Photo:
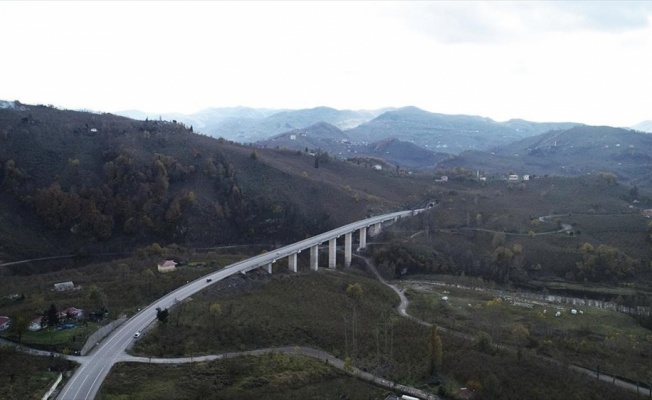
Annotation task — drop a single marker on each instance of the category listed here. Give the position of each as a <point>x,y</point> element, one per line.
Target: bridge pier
<point>314,258</point>
<point>347,249</point>
<point>363,238</point>
<point>292,262</point>
<point>332,253</point>
<point>268,268</point>
<point>376,229</point>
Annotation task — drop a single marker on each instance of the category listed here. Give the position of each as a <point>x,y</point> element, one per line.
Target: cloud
<point>487,22</point>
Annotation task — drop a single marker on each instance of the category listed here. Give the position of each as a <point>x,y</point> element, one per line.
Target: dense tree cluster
<point>604,263</point>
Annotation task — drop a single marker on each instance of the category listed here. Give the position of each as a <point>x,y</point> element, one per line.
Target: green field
<point>609,339</point>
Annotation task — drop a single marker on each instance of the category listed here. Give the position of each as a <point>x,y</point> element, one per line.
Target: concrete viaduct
<point>371,226</point>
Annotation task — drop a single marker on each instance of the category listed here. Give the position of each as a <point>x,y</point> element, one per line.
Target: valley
<point>490,264</point>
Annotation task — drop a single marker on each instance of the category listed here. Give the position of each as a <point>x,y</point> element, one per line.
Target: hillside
<point>577,151</point>
<point>323,137</point>
<point>84,182</point>
<point>244,124</point>
<point>501,231</point>
<point>447,133</point>
<point>201,119</point>
<point>246,130</point>
<point>645,126</point>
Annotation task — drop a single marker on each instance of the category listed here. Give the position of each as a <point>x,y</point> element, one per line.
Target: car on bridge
<point>137,334</point>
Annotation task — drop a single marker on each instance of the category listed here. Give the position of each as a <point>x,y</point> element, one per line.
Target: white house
<point>378,167</point>
<point>64,286</point>
<point>166,266</point>
<point>35,325</point>
<point>512,177</point>
<point>526,177</point>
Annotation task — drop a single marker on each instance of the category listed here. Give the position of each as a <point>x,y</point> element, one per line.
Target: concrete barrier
<point>100,334</point>
<point>52,388</point>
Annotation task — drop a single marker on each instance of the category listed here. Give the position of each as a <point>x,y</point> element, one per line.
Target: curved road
<point>300,350</point>
<point>94,368</point>
<point>402,310</point>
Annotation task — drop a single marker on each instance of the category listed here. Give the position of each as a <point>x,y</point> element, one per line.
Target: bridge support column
<point>268,268</point>
<point>376,228</point>
<point>314,257</point>
<point>292,262</point>
<point>332,253</point>
<point>363,238</point>
<point>347,249</point>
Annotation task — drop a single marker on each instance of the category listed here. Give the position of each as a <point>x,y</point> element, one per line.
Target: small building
<point>71,313</point>
<point>166,266</point>
<point>35,325</point>
<point>378,167</point>
<point>526,177</point>
<point>512,178</point>
<point>64,286</point>
<point>5,322</point>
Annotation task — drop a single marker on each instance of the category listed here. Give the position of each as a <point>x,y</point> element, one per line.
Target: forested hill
<point>581,150</point>
<point>83,182</point>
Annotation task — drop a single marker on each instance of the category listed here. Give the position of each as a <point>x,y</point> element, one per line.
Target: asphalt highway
<point>87,379</point>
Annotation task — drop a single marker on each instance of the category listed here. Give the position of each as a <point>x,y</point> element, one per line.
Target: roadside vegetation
<point>273,376</point>
<point>24,376</point>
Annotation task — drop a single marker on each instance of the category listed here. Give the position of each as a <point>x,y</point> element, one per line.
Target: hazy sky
<point>585,61</point>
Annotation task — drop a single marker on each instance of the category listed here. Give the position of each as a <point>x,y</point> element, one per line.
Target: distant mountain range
<point>329,138</point>
<point>414,138</point>
<point>577,151</point>
<point>245,125</point>
<point>435,132</point>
